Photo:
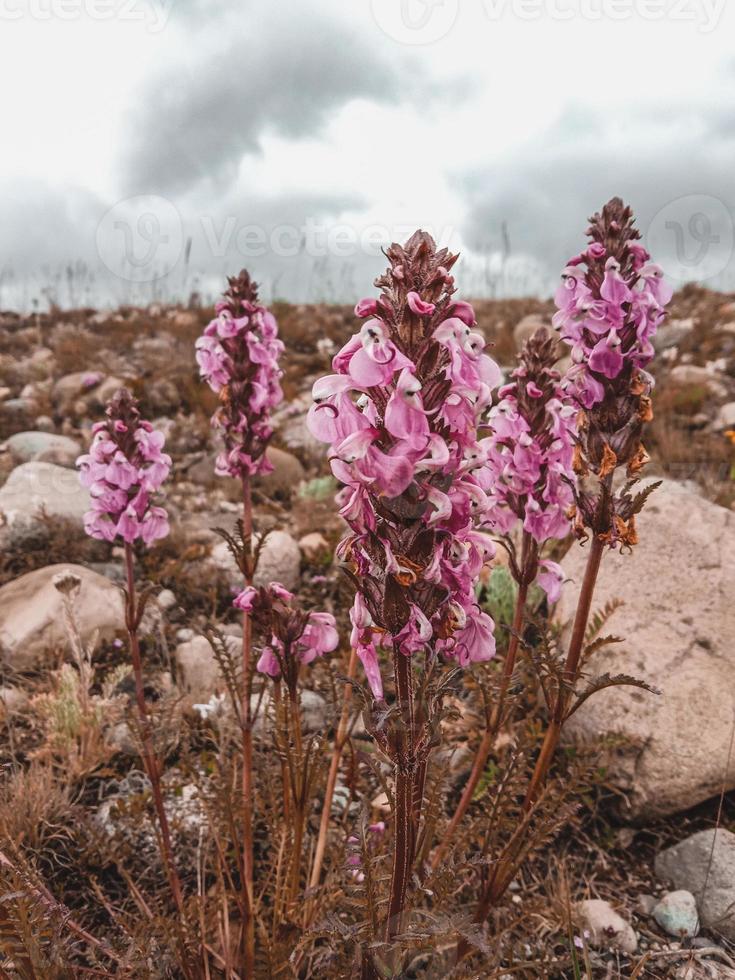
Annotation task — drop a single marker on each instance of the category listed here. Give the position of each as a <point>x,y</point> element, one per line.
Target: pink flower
<point>551,580</point>
<point>238,357</point>
<point>366,307</point>
<point>609,307</point>
<point>268,663</point>
<point>295,639</point>
<point>125,464</point>
<point>418,306</point>
<point>402,425</point>
<point>529,473</point>
<point>405,417</point>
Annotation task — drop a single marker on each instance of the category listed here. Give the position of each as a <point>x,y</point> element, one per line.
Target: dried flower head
<point>238,357</point>
<point>67,583</point>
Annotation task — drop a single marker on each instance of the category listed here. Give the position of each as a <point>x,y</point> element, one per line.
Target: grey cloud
<point>279,68</point>
<point>666,165</point>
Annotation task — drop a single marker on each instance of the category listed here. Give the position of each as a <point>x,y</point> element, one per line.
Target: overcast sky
<point>155,146</point>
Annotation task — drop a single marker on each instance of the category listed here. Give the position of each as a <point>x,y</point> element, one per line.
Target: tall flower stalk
<point>529,480</point>
<point>293,639</point>
<point>238,357</point>
<point>610,304</point>
<point>401,415</point>
<point>123,470</point>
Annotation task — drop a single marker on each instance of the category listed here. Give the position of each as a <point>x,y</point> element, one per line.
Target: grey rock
<point>679,636</point>
<point>286,476</point>
<point>726,417</point>
<point>671,334</point>
<point>704,864</point>
<point>692,375</point>
<point>35,486</point>
<point>166,599</point>
<point>13,699</point>
<point>607,929</point>
<point>46,447</point>
<point>677,914</point>
<point>198,671</point>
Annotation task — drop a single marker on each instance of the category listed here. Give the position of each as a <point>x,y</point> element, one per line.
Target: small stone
<point>677,915</point>
<point>13,699</point>
<point>199,672</point>
<point>28,447</point>
<point>607,929</point>
<point>704,864</point>
<point>726,417</point>
<point>279,561</point>
<point>646,904</point>
<point>285,478</point>
<point>166,599</point>
<point>120,738</point>
<point>671,334</point>
<point>314,546</point>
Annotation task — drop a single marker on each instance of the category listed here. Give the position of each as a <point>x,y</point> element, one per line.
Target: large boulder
<point>37,486</point>
<point>704,864</point>
<point>32,614</point>
<point>679,636</point>
<point>45,447</point>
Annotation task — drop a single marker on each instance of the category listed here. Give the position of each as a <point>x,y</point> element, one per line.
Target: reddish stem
<point>528,555</point>
<point>571,672</point>
<point>247,739</point>
<point>339,742</point>
<point>150,762</point>
<point>404,844</point>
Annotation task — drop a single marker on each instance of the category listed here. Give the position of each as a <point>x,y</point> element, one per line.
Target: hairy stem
<point>339,743</point>
<point>247,741</point>
<point>150,762</point>
<point>495,720</point>
<point>404,832</point>
<point>570,675</point>
<point>506,867</point>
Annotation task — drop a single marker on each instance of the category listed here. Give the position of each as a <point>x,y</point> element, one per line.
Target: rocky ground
<point>651,884</point>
